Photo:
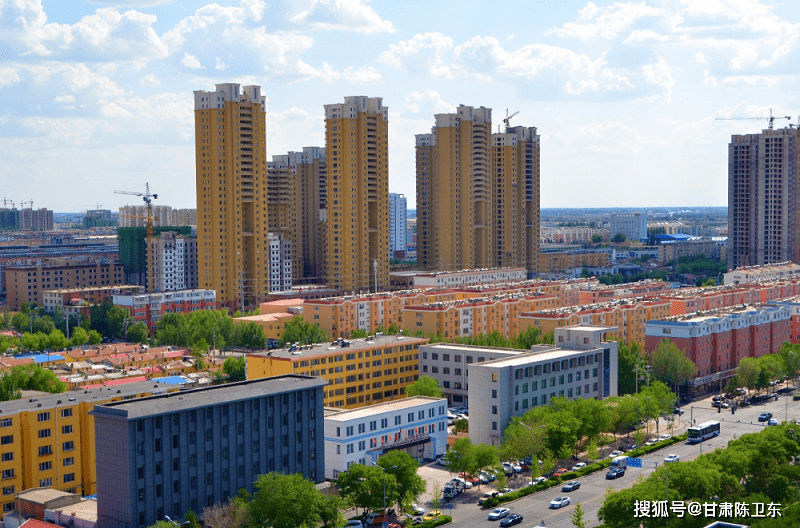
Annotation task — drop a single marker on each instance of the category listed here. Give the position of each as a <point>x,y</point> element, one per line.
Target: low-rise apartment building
<point>558,261</point>
<point>755,274</point>
<point>582,364</point>
<point>464,278</point>
<point>148,308</point>
<point>80,300</point>
<point>416,425</point>
<point>359,372</point>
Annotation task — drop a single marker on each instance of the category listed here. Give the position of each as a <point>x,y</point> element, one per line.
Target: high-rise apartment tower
<point>232,224</point>
<point>398,220</point>
<point>356,140</point>
<point>764,198</point>
<point>477,194</point>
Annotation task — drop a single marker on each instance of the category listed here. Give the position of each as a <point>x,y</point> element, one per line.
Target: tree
<point>708,283</point>
<point>299,331</point>
<point>29,377</point>
<point>461,457</point>
<point>191,519</point>
<point>436,496</point>
<point>79,337</point>
<point>232,513</point>
<point>234,368</point>
<point>484,456</point>
<point>94,337</point>
<point>671,365</point>
<point>364,485</point>
<point>629,358</point>
<point>596,239</point>
<point>461,426</point>
<point>577,517</point>
<point>619,238</point>
<point>403,467</point>
<point>424,386</point>
<point>749,370</point>
<point>330,511</point>
<point>137,333</point>
<point>57,340</point>
<point>790,355</point>
<point>250,335</point>
<point>285,501</point>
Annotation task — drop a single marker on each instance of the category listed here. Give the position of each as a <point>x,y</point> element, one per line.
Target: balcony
<point>408,441</point>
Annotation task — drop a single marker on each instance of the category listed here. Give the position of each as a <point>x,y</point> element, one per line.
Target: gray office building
<point>166,454</point>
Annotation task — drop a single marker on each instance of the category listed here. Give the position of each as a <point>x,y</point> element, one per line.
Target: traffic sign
<point>634,462</point>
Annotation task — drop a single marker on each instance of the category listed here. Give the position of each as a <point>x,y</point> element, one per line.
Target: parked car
<point>559,502</point>
<point>469,478</point>
<point>672,458</point>
<point>678,411</point>
<point>516,468</point>
<point>417,510</point>
<point>375,518</point>
<point>486,477</point>
<point>498,513</point>
<point>765,416</point>
<point>440,460</point>
<point>579,465</point>
<point>537,480</point>
<point>487,495</point>
<point>629,447</point>
<point>572,485</point>
<point>354,524</point>
<point>615,454</point>
<point>511,520</point>
<point>615,473</point>
<point>664,437</point>
<point>560,472</point>
<point>772,421</point>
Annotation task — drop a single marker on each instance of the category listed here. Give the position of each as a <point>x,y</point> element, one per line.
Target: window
<point>43,416</point>
<point>8,457</point>
<point>69,461</point>
<point>66,413</point>
<point>69,446</point>
<point>6,422</point>
<point>8,474</point>
<point>44,433</point>
<point>45,466</point>
<point>45,450</point>
<point>46,483</point>
<point>66,429</point>
<point>8,490</point>
<point>494,409</point>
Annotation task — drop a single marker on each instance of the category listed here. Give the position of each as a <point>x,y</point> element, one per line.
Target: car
<point>721,404</point>
<point>462,410</point>
<point>579,465</point>
<point>560,472</point>
<point>417,510</point>
<point>559,502</point>
<point>488,476</point>
<point>440,460</point>
<point>629,447</point>
<point>672,458</point>
<point>516,468</point>
<point>664,437</point>
<point>572,485</point>
<point>615,454</point>
<point>511,520</point>
<point>462,416</point>
<point>503,491</point>
<point>469,478</point>
<point>615,473</point>
<point>375,518</point>
<point>487,495</point>
<point>354,524</point>
<point>435,514</point>
<point>678,411</point>
<point>772,421</point>
<point>537,480</point>
<point>652,441</point>
<point>498,513</point>
<point>765,416</point>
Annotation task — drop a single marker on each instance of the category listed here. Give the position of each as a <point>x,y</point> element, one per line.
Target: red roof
<point>111,383</point>
<point>36,523</point>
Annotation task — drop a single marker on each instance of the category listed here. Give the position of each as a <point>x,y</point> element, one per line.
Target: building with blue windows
<point>166,454</point>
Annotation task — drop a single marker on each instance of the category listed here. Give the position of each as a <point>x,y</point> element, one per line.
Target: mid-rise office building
<point>398,220</point>
<point>582,364</point>
<point>762,198</point>
<point>357,146</point>
<point>232,223</point>
<point>477,194</point>
<point>166,454</point>
<point>297,194</point>
<point>632,225</point>
<point>416,425</point>
<point>171,262</point>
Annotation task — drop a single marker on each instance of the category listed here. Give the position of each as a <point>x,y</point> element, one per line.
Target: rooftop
<point>545,355</point>
<point>344,415</point>
<point>330,348</point>
<point>42,495</point>
<point>201,398</point>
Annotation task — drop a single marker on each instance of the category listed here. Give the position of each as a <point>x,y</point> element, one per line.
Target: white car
<point>615,454</point>
<point>664,437</point>
<point>537,480</point>
<point>579,465</point>
<point>672,458</point>
<point>559,502</point>
<point>498,513</point>
<point>650,442</point>
<point>354,524</point>
<point>440,460</point>
<point>417,510</point>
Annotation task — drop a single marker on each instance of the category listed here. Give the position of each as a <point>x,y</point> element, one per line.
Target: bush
<point>444,519</point>
<point>796,397</point>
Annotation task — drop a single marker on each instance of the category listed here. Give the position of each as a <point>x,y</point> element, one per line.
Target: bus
<point>704,431</point>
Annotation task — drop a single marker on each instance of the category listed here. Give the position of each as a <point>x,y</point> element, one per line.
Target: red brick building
<point>148,308</point>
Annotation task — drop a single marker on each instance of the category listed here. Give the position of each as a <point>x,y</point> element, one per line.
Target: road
<point>534,508</point>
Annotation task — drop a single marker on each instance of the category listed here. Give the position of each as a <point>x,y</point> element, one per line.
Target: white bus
<point>704,431</point>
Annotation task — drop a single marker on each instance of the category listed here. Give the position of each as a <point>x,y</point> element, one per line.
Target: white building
<point>767,272</point>
<point>171,262</point>
<point>280,263</point>
<point>416,425</point>
<point>632,225</point>
<point>458,279</point>
<point>397,223</point>
<point>581,365</point>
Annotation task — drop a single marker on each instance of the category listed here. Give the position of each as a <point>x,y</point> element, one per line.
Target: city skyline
<point>97,96</point>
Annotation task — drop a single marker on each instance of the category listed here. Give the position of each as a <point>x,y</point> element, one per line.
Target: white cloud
<point>423,53</point>
<point>645,36</point>
<point>219,65</point>
<point>67,98</point>
<point>659,74</point>
<point>427,103</point>
<point>362,75</point>
<point>211,14</point>
<point>131,3</point>
<point>606,22</point>
<point>350,15</point>
<point>190,61</point>
<point>150,81</point>
<point>741,81</point>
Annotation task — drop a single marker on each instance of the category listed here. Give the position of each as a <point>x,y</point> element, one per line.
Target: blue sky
<point>97,95</point>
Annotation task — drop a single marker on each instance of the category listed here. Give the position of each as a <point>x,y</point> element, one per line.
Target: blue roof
<point>43,358</point>
<point>676,236</point>
<point>175,380</point>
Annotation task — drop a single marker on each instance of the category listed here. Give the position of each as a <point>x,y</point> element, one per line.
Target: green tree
<point>461,426</point>
<point>424,386</point>
<point>363,486</point>
<point>671,365</point>
<point>162,524</point>
<point>29,377</point>
<point>619,238</point>
<point>708,283</point>
<point>403,467</point>
<point>436,496</point>
<point>629,358</point>
<point>285,501</point>
<point>596,239</point>
<point>299,331</point>
<point>234,368</point>
<point>250,335</point>
<point>749,370</point>
<point>330,511</point>
<point>790,355</point>
<point>577,517</point>
<point>358,333</point>
<point>137,333</point>
<point>191,519</point>
<point>232,513</point>
<point>57,340</point>
<point>484,456</point>
<point>461,457</point>
<point>79,337</point>
<point>94,337</point>
<point>21,322</point>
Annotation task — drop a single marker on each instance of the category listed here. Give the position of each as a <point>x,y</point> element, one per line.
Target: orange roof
<point>265,318</point>
<point>285,302</point>
<point>36,523</point>
<point>111,383</point>
<point>14,362</point>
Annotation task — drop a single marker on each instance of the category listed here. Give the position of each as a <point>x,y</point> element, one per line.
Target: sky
<point>96,95</point>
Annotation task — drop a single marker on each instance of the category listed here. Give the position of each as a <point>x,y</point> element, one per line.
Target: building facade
<point>632,225</point>
<point>762,198</point>
<point>148,308</point>
<point>80,300</point>
<point>280,263</point>
<point>582,364</point>
<point>166,454</point>
<point>171,262</point>
<point>359,372</point>
<point>36,219</point>
<point>398,220</point>
<point>297,194</point>
<point>231,183</point>
<point>357,230</point>
<point>416,425</point>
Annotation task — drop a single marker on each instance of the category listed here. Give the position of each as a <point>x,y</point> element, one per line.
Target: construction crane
<point>771,118</point>
<point>148,199</point>
<point>507,120</point>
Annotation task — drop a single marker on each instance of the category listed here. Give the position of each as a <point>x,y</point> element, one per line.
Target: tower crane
<point>507,120</point>
<point>148,199</point>
<point>771,118</point>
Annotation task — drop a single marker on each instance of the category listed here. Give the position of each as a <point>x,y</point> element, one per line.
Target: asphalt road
<point>534,508</point>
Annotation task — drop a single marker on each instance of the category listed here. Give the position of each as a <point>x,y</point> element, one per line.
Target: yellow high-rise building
<point>232,223</point>
<point>477,194</point>
<point>357,231</point>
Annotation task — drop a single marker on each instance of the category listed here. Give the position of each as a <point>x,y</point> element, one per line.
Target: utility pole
<point>66,320</point>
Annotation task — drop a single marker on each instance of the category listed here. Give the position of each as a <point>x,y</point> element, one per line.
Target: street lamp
<point>533,437</point>
<point>384,523</point>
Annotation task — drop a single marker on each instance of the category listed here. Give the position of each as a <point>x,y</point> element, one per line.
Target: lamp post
<point>384,523</point>
<point>533,437</point>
